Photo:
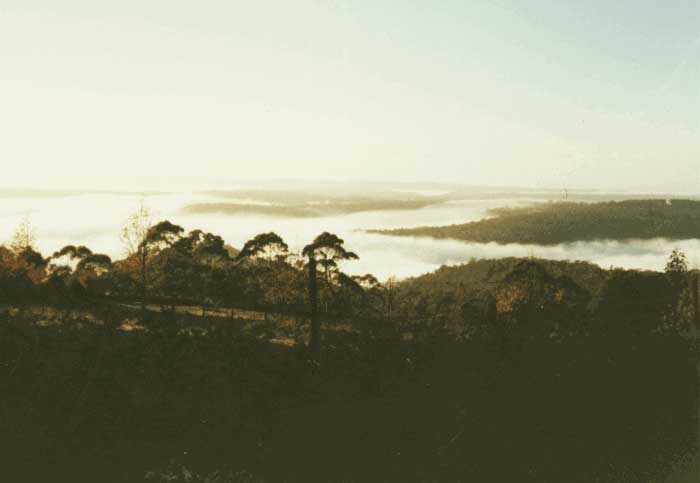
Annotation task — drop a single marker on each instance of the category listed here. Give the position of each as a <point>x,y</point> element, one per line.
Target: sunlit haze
<point>593,94</point>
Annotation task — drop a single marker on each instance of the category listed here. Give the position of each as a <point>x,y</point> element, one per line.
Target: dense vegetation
<point>563,222</point>
<point>497,370</point>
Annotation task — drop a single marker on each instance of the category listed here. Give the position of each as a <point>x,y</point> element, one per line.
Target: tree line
<point>167,266</point>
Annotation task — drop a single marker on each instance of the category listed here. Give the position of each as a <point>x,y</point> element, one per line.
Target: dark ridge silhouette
<point>564,222</point>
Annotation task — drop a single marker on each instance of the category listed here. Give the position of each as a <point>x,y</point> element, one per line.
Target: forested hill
<point>563,222</point>
<point>483,274</point>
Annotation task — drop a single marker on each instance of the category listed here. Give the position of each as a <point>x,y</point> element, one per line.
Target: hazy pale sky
<point>595,93</point>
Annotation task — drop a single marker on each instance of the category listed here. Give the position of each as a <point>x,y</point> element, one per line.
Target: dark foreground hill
<point>87,403</point>
<point>508,370</point>
<point>561,222</point>
<point>523,370</point>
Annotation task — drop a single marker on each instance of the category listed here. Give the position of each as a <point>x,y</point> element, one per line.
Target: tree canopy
<point>265,245</point>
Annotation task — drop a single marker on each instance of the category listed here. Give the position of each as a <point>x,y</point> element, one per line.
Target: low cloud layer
<point>95,220</point>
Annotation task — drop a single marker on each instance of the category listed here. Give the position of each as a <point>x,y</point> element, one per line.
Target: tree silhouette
<point>24,236</point>
<point>677,263</point>
<point>89,267</point>
<point>163,234</point>
<point>208,254</point>
<point>685,285</point>
<point>207,248</point>
<point>96,262</point>
<point>141,237</point>
<point>327,250</point>
<point>269,246</point>
<point>72,252</point>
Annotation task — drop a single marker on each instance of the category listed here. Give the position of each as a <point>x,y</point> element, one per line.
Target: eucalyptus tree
<point>268,246</point>
<point>88,265</point>
<point>190,266</point>
<point>271,281</point>
<point>142,239</point>
<point>208,249</point>
<point>98,263</point>
<point>72,252</point>
<point>209,256</point>
<point>326,250</point>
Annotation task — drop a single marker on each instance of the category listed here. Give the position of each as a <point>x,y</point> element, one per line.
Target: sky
<point>596,94</point>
